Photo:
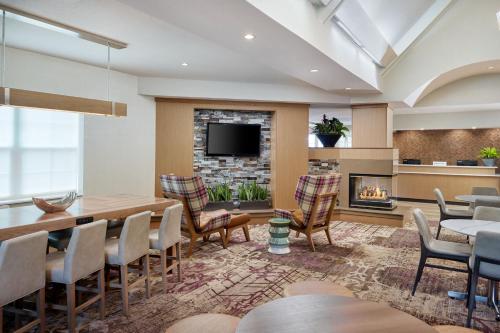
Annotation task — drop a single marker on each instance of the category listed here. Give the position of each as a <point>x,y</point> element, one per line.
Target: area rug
<point>377,263</point>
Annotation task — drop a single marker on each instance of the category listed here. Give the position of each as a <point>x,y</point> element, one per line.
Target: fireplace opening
<point>371,191</point>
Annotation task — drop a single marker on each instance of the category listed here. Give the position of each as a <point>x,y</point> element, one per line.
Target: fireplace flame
<point>373,193</point>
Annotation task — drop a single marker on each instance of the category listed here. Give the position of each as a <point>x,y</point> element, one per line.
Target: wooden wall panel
<point>371,126</point>
<point>289,151</point>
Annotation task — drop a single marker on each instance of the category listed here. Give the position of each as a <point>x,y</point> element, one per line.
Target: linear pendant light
<point>12,97</point>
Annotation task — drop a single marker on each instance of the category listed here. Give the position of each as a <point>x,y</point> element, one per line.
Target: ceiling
<point>208,36</point>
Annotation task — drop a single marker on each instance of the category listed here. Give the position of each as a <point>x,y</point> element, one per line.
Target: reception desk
<point>418,181</point>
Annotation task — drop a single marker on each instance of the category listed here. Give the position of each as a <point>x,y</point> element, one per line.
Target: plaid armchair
<point>316,197</point>
<point>195,221</point>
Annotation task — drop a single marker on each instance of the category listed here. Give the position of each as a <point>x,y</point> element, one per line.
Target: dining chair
<point>196,221</point>
<point>83,257</point>
<point>316,197</point>
<point>487,213</point>
<point>437,249</point>
<point>485,263</point>
<point>449,213</point>
<point>133,245</point>
<point>484,191</point>
<point>22,273</point>
<point>167,237</point>
<point>487,203</point>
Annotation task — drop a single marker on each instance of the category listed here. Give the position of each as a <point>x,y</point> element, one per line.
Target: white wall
<point>119,153</point>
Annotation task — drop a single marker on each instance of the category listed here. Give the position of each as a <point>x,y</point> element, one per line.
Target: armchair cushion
<point>295,216</point>
<point>214,219</point>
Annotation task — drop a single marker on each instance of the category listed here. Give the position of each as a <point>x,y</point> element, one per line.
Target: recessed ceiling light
<point>348,88</point>
<point>185,64</point>
<point>314,70</point>
<point>491,67</point>
<point>249,36</point>
<point>422,129</point>
<point>474,127</point>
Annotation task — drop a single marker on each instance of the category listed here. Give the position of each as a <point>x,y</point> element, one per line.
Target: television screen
<point>233,139</point>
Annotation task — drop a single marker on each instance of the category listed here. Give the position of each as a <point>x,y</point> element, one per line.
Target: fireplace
<point>371,191</point>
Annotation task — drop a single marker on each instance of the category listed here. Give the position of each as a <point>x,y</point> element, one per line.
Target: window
<point>40,153</point>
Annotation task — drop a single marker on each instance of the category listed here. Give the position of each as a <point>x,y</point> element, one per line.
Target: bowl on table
<point>53,206</point>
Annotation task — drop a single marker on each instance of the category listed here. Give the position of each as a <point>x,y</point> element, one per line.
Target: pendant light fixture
<point>14,97</point>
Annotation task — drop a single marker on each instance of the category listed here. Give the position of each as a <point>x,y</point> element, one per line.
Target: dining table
<point>21,220</point>
<point>329,314</point>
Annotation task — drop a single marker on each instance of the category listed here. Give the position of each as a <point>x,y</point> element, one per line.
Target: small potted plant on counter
<point>329,131</point>
<point>489,156</point>
<point>253,196</point>
<point>220,196</point>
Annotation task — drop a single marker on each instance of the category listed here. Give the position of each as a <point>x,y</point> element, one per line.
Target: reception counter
<point>418,181</point>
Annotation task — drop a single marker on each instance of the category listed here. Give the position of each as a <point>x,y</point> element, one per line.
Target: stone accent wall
<point>227,169</point>
<point>321,167</point>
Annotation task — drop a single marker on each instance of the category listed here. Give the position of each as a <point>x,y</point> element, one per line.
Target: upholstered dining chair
<point>449,213</point>
<point>484,263</point>
<point>437,249</point>
<point>83,257</point>
<point>166,237</point>
<point>22,273</point>
<point>487,213</point>
<point>196,222</point>
<point>316,197</point>
<point>133,245</point>
<point>491,191</point>
<point>487,203</point>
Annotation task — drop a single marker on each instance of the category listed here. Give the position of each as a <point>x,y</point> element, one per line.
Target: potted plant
<point>329,131</point>
<point>220,197</point>
<point>253,196</point>
<point>489,156</point>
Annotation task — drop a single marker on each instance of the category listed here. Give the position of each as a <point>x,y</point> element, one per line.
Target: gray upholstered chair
<point>166,237</point>
<point>22,273</point>
<point>433,248</point>
<point>487,203</point>
<point>448,213</point>
<point>83,257</point>
<point>485,263</point>
<point>484,191</point>
<point>132,245</point>
<point>487,213</point>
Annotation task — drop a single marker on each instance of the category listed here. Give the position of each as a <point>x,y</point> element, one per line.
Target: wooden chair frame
<point>170,259</point>
<point>73,309</point>
<point>189,230</point>
<point>312,227</point>
<point>39,314</point>
<point>125,286</point>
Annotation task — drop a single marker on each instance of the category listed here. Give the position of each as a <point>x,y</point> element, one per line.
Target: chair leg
<point>223,239</point>
<point>124,285</point>
<point>311,242</point>
<point>101,287</point>
<point>327,232</point>
<point>178,259</point>
<point>421,265</point>
<point>247,232</point>
<point>469,280</point>
<point>439,230</point>
<point>71,307</point>
<point>146,273</point>
<point>40,306</point>
<point>163,264</point>
<point>191,246</point>
<point>472,299</point>
<point>229,231</point>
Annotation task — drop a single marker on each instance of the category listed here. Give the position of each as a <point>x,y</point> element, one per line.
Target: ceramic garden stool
<point>206,323</point>
<point>279,230</point>
<point>316,287</point>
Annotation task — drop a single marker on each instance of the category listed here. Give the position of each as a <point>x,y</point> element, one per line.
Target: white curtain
<point>39,153</point>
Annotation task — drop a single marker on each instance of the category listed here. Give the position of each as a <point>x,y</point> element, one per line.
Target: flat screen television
<point>233,139</point>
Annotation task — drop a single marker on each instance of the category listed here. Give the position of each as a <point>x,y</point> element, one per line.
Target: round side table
<point>279,231</point>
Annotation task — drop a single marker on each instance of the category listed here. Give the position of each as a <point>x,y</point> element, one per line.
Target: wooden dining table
<point>329,314</point>
<point>17,221</point>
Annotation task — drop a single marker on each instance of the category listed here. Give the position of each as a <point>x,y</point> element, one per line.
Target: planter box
<point>255,205</point>
<point>227,205</point>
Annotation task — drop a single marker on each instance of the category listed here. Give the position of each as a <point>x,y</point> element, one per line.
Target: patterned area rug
<point>377,263</point>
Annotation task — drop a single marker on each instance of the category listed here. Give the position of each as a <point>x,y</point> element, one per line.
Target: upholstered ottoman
<point>206,323</point>
<point>316,287</point>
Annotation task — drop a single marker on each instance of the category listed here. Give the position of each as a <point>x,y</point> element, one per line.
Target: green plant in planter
<point>488,155</point>
<point>252,192</point>
<point>219,192</point>
<point>329,131</point>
